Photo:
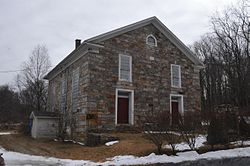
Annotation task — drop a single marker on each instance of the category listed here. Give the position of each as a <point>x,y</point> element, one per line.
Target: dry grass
<point>130,144</point>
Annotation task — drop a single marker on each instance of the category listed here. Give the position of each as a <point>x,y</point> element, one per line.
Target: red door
<point>122,115</point>
<point>175,113</point>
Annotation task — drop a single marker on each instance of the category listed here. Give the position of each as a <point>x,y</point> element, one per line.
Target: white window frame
<point>130,68</point>
<point>131,105</point>
<point>150,43</point>
<point>180,105</point>
<point>172,80</point>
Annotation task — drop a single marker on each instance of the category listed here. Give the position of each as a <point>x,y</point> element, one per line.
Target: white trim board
<point>130,67</point>
<point>131,105</point>
<point>160,26</point>
<point>180,105</point>
<point>179,86</point>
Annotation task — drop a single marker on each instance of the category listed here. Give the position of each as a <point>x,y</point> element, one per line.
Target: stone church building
<point>111,79</point>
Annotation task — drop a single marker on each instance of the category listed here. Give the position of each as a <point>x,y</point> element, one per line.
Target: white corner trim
<point>131,105</point>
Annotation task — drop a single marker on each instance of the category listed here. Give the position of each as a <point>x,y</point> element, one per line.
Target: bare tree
<point>30,80</point>
<point>226,53</point>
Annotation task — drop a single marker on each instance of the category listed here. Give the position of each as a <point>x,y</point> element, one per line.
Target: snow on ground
<point>5,133</point>
<point>200,140</point>
<point>184,156</point>
<point>245,143</point>
<point>111,143</point>
<point>162,132</point>
<point>75,142</point>
<point>14,158</point>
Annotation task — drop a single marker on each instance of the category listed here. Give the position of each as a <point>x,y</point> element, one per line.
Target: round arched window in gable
<point>151,40</point>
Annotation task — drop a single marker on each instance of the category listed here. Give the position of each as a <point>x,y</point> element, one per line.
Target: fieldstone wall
<point>74,122</point>
<point>151,77</point>
<point>151,81</point>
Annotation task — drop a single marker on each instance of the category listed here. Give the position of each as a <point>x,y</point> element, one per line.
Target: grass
<point>130,144</point>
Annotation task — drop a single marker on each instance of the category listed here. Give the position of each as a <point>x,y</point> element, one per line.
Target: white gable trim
<point>75,55</point>
<point>160,26</point>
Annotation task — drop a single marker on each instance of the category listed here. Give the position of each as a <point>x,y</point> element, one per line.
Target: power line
<point>10,71</point>
<point>13,71</point>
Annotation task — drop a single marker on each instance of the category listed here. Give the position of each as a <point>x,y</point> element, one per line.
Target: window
<point>75,84</point>
<point>176,76</point>
<point>63,95</point>
<point>53,96</point>
<point>151,40</point>
<point>125,68</point>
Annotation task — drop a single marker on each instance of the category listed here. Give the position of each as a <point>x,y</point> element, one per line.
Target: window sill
<point>176,87</point>
<point>128,81</point>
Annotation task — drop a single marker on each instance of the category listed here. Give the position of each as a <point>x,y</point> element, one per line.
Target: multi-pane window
<point>151,40</point>
<point>125,68</point>
<point>63,95</point>
<point>75,87</point>
<point>176,76</point>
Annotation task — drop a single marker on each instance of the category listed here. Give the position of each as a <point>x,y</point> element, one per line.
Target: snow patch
<point>75,142</point>
<point>183,156</point>
<point>14,158</point>
<point>111,143</point>
<point>5,133</point>
<point>163,132</point>
<point>200,140</point>
<point>245,143</point>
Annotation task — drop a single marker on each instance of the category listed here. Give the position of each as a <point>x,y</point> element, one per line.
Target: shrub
<point>156,126</point>
<point>244,130</point>
<point>217,130</point>
<point>190,127</point>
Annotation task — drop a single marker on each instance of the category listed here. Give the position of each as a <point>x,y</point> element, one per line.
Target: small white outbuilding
<point>44,124</point>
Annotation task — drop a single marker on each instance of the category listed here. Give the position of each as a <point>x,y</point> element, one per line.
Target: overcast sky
<point>57,23</point>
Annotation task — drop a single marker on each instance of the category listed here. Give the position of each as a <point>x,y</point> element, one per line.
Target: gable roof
<point>71,58</point>
<point>160,26</point>
<point>92,42</point>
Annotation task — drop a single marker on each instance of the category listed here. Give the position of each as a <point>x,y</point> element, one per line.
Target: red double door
<point>123,110</point>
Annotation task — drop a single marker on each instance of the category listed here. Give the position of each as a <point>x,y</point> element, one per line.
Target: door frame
<point>131,105</point>
<point>180,105</point>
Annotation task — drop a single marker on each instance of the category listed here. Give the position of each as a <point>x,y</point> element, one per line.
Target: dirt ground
<point>129,144</point>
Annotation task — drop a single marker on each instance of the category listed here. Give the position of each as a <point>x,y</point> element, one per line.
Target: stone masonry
<point>151,80</point>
